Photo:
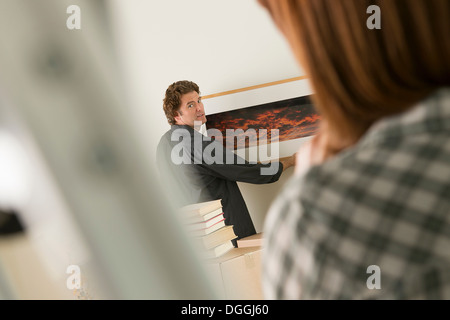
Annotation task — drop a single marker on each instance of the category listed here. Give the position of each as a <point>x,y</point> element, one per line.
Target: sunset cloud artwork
<point>294,118</point>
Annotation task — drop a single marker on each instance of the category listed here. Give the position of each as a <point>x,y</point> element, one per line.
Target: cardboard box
<point>237,274</point>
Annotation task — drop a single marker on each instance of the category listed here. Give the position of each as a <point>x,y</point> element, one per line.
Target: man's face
<point>191,110</point>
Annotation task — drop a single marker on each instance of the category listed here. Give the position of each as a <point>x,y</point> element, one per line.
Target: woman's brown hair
<point>360,75</point>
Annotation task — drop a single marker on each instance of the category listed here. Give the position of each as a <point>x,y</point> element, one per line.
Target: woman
<point>367,214</point>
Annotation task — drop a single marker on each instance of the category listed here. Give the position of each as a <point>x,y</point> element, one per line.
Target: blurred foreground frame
<point>64,86</point>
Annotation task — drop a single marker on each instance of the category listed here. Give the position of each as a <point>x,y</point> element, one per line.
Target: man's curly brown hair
<point>172,100</point>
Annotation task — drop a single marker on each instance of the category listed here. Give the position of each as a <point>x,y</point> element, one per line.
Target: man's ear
<point>177,118</point>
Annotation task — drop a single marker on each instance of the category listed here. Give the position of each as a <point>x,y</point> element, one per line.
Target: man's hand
<point>288,161</point>
<point>312,152</point>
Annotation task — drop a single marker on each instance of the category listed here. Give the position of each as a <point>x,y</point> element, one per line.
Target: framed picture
<point>279,113</point>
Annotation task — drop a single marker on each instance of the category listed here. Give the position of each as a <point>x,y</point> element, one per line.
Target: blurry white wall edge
<point>93,194</point>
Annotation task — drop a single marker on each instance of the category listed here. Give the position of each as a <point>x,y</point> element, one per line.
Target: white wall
<point>220,45</point>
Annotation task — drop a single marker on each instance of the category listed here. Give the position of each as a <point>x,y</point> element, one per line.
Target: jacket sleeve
<point>230,166</point>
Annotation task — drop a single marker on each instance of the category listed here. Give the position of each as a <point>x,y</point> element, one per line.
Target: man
<point>192,174</point>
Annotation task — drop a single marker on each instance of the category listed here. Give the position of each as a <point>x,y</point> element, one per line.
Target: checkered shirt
<point>371,223</point>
